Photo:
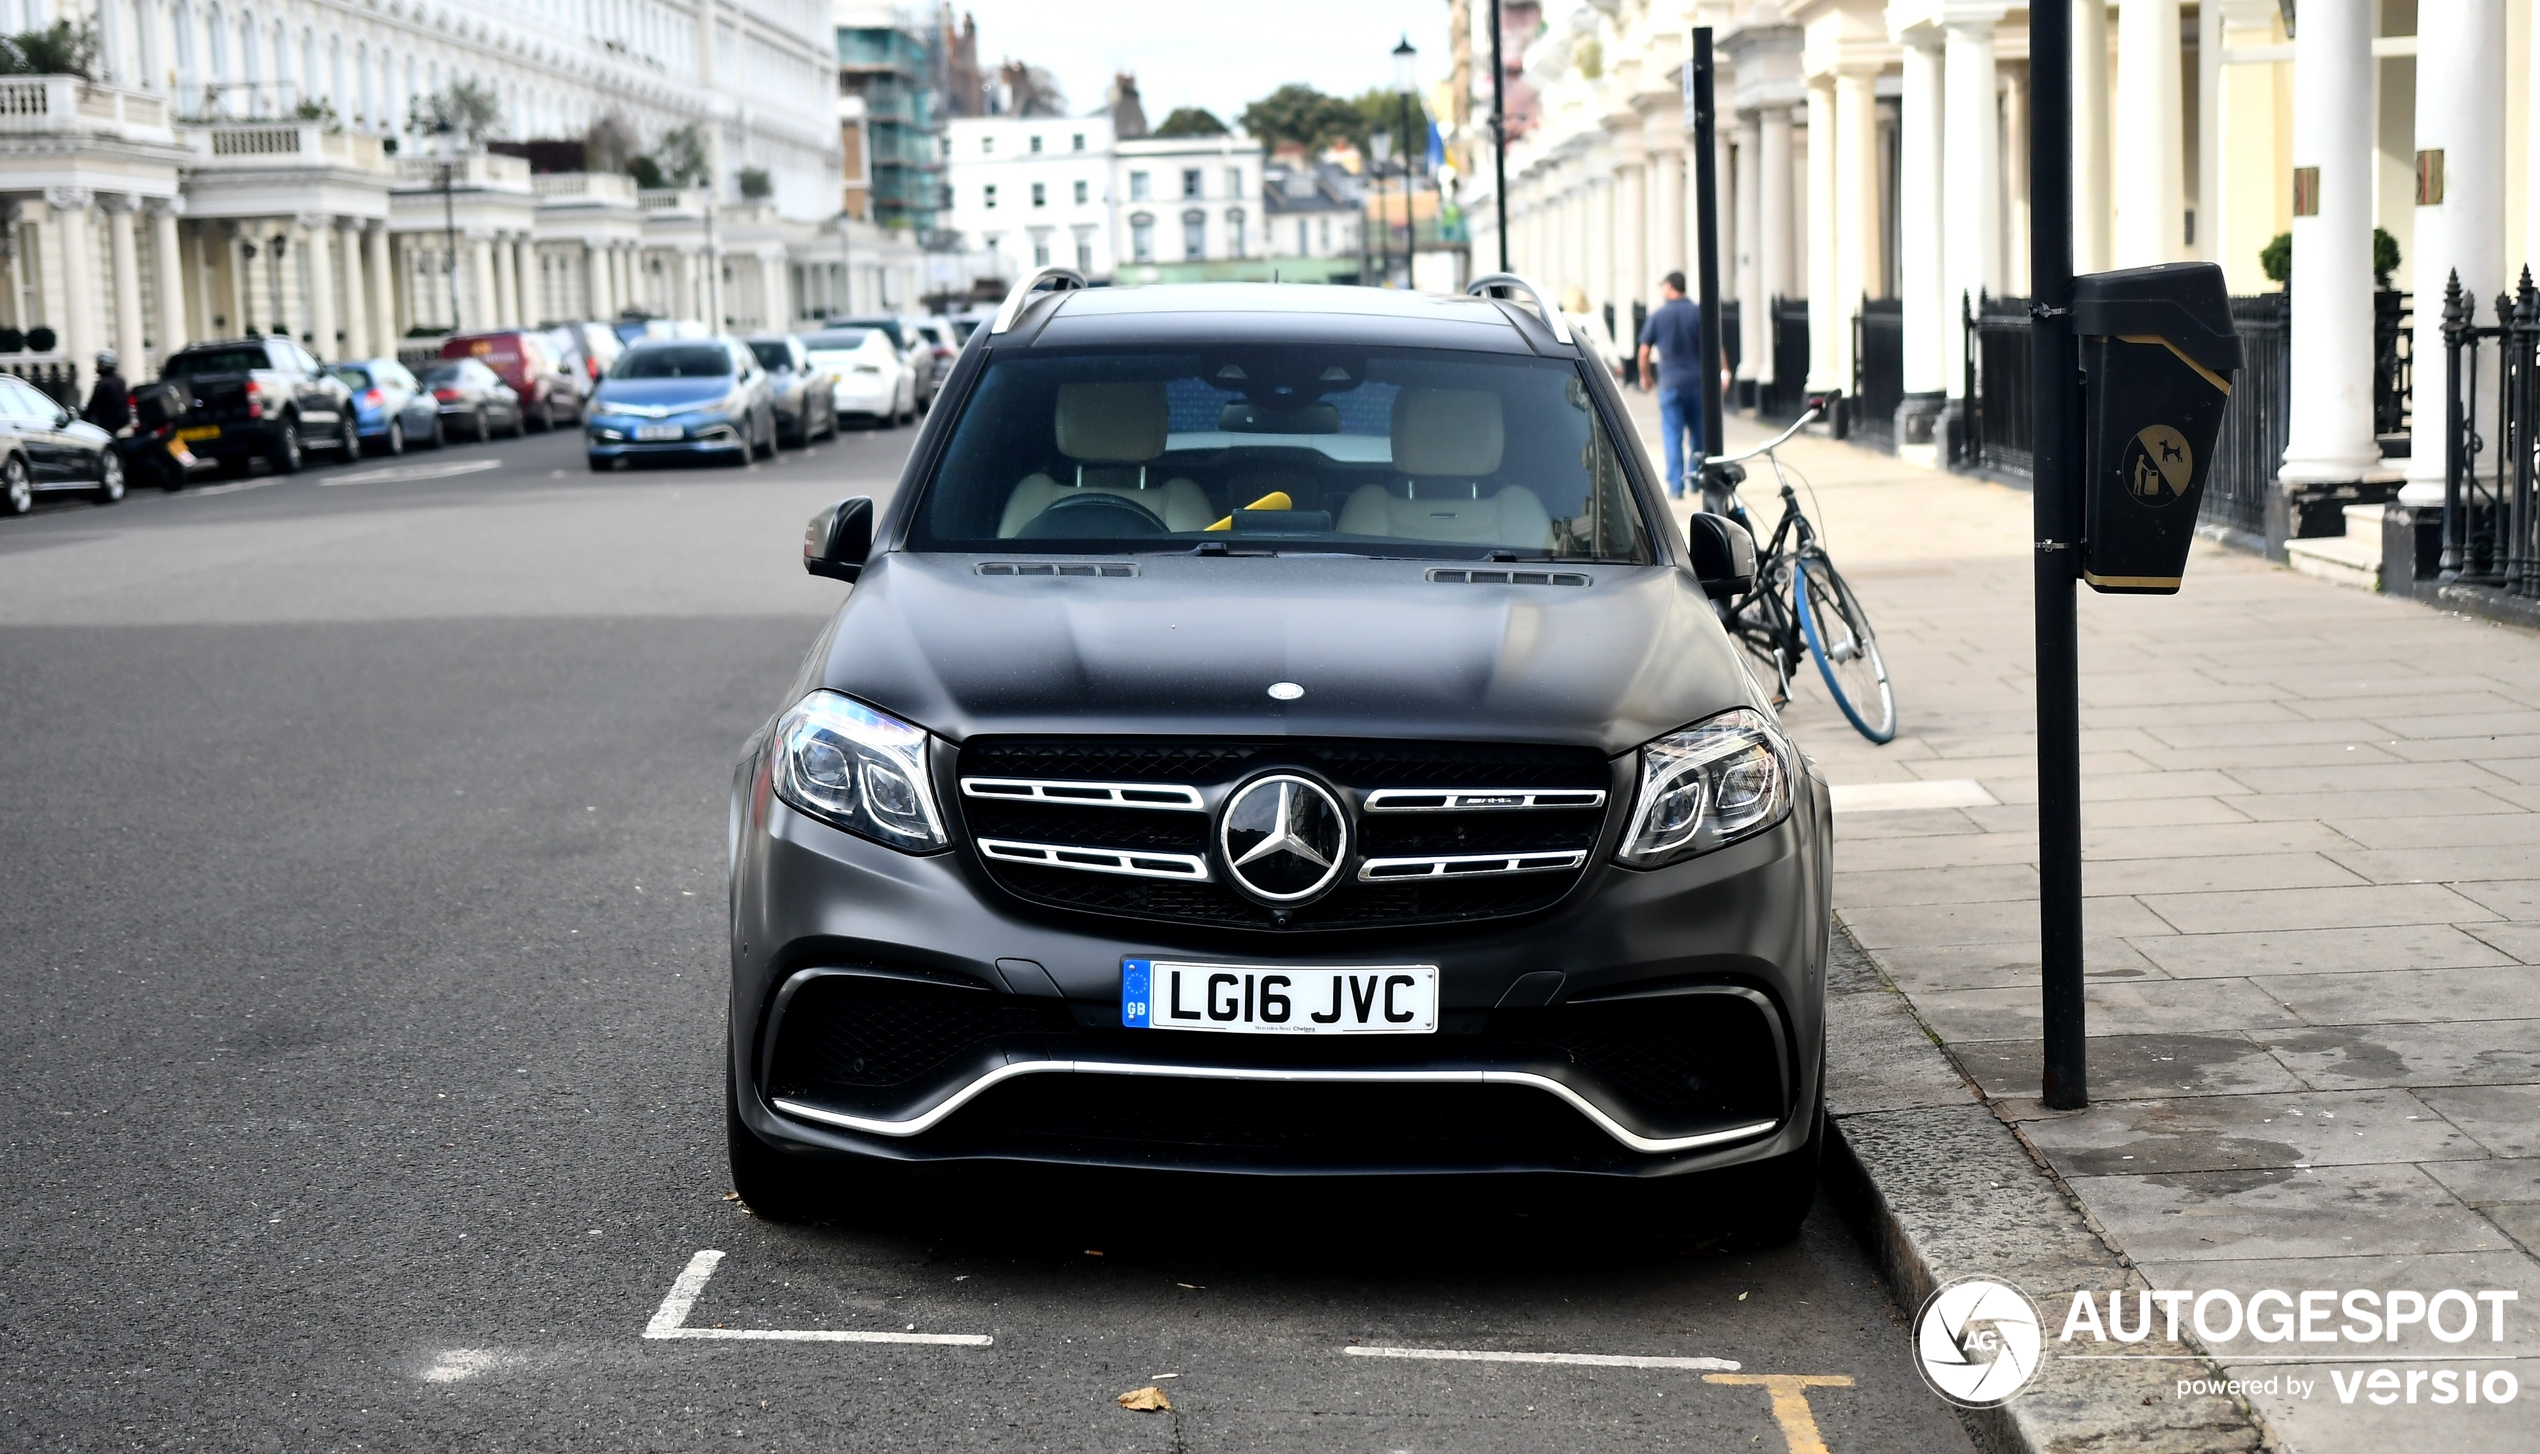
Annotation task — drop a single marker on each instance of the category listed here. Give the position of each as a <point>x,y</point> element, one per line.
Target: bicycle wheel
<point>1847,654</point>
<point>1759,629</point>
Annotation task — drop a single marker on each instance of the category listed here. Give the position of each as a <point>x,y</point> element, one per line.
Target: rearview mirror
<point>840,537</point>
<point>1723,555</point>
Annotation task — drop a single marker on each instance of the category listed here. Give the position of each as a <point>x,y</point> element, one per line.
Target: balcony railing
<point>605,187</point>
<point>41,105</point>
<point>674,199</point>
<point>494,173</point>
<point>2491,467</point>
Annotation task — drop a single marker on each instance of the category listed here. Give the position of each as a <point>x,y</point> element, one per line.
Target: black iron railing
<point>2253,429</point>
<point>2393,369</point>
<point>1997,386</point>
<point>1878,373</point>
<point>2491,529</point>
<point>1787,395</point>
<point>56,381</point>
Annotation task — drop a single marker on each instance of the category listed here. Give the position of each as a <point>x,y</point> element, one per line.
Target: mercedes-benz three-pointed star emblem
<point>1284,838</point>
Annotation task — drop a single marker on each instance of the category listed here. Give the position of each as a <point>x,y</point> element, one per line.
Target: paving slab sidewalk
<point>2312,845</point>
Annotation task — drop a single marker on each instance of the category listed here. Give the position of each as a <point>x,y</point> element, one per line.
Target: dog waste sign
<point>2158,351</point>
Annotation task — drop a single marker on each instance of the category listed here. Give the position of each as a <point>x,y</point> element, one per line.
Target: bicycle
<point>1800,604</point>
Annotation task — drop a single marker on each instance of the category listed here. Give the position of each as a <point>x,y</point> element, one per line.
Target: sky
<point>1219,54</point>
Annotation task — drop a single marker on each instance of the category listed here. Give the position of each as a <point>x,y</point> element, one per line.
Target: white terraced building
<point>242,165</point>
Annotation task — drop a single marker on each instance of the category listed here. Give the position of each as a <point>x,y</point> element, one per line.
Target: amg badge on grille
<point>1284,838</point>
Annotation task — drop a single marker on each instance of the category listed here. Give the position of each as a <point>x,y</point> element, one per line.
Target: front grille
<point>1294,1124</point>
<point>868,1041</point>
<point>1214,768</point>
<point>1669,1060</point>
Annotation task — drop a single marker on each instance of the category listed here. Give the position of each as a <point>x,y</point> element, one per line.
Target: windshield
<point>1380,452</point>
<point>241,360</point>
<point>352,378</point>
<point>675,361</point>
<point>889,326</point>
<point>773,356</point>
<point>837,340</point>
<point>447,373</point>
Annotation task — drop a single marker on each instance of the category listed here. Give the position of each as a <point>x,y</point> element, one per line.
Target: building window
<point>1234,232</point>
<point>989,192</point>
<point>1084,191</point>
<point>1302,249</point>
<point>1137,186</point>
<point>1142,238</point>
<point>1076,142</point>
<point>1084,249</point>
<point>1190,182</point>
<point>1036,146</point>
<point>1040,248</point>
<point>1194,234</point>
<point>1234,181</point>
<point>1325,228</point>
<point>987,146</point>
<point>1040,194</point>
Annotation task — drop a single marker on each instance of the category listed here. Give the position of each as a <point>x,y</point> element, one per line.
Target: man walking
<point>1674,332</point>
<point>110,402</point>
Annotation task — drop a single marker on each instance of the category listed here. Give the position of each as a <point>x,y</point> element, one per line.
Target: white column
<point>2150,169</point>
<point>532,297</point>
<point>2330,423</point>
<point>2460,100</point>
<point>382,277</point>
<point>594,293</point>
<point>1751,298</point>
<point>1929,310</point>
<point>124,284</point>
<point>506,285</point>
<point>1972,178</point>
<point>1776,222</point>
<point>1670,200</point>
<point>2013,269</point>
<point>1630,238</point>
<point>1859,261</point>
<point>2090,136</point>
<point>82,330</point>
<point>483,311</point>
<point>317,254</point>
<point>1828,316</point>
<point>355,291</point>
<point>171,272</point>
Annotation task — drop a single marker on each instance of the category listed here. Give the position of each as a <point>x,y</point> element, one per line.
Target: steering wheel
<point>1093,516</point>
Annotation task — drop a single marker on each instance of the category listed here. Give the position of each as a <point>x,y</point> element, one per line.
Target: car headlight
<point>855,768</point>
<point>1710,784</point>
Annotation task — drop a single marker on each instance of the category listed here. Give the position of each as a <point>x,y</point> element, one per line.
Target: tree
<point>2276,258</point>
<point>63,48</point>
<point>1191,121</point>
<point>610,144</point>
<point>756,185</point>
<point>464,106</point>
<point>1298,115</point>
<point>1382,110</point>
<point>681,157</point>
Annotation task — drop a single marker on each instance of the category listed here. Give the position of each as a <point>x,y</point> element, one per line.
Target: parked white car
<point>874,382</point>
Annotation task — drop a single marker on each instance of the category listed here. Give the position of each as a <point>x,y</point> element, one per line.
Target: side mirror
<point>840,537</point>
<point>1723,555</point>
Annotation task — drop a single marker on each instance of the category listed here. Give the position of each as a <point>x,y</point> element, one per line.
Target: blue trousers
<point>1680,411</point>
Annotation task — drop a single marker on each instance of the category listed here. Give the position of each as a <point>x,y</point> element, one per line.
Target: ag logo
<point>2157,465</point>
<point>1977,1341</point>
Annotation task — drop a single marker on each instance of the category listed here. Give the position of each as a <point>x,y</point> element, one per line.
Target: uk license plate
<point>1266,999</point>
<point>199,431</point>
<point>658,431</point>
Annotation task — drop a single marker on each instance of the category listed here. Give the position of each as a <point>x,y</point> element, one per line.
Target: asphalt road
<point>361,969</point>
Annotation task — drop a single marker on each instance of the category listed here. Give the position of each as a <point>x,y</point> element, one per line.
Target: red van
<point>549,394</point>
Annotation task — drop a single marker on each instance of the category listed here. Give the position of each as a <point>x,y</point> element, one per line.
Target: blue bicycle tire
<point>1858,623</point>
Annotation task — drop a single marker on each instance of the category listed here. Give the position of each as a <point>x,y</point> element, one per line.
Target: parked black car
<point>805,394</point>
<point>474,401</point>
<point>262,398</point>
<point>1283,731</point>
<point>45,446</point>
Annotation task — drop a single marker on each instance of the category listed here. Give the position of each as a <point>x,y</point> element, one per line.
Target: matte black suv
<point>1279,730</point>
<point>263,398</point>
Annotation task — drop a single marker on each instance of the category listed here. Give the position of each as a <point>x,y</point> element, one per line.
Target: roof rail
<point>1060,281</point>
<point>1501,285</point>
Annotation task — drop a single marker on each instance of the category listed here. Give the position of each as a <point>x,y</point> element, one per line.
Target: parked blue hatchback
<point>685,397</point>
<point>392,408</point>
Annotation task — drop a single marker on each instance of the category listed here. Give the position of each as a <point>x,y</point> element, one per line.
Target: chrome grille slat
<point>1467,865</point>
<point>1131,863</point>
<point>1424,800</point>
<point>1167,797</point>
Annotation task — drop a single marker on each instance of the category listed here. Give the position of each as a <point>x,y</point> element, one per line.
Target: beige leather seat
<point>1110,431</point>
<point>1445,441</point>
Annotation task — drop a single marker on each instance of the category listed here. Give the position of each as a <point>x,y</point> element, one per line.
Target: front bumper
<point>713,437</point>
<point>238,438</point>
<point>903,1007</point>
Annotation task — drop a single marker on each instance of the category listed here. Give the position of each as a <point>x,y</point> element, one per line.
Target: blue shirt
<point>1675,330</point>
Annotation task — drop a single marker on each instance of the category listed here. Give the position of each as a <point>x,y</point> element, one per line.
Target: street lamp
<point>1379,147</point>
<point>1406,81</point>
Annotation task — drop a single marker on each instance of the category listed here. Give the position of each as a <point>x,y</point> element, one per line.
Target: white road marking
<point>235,486</point>
<point>1586,1360</point>
<point>1955,792</point>
<point>671,1318</point>
<point>464,1363</point>
<point>402,474</point>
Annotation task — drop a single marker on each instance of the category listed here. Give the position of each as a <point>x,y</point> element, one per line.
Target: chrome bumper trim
<point>920,1124</point>
<point>1166,796</point>
<point>1436,800</point>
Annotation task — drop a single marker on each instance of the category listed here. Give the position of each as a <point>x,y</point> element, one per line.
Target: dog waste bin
<point>2157,355</point>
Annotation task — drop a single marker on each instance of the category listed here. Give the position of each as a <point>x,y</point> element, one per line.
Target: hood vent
<point>1462,577</point>
<point>1056,568</point>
